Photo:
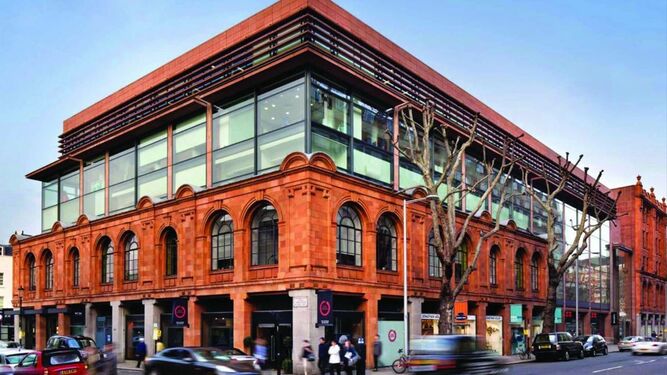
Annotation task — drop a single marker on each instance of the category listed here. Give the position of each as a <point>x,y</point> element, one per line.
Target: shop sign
<point>494,318</point>
<point>430,316</point>
<point>558,319</point>
<point>460,311</point>
<point>324,308</point>
<point>300,302</point>
<point>516,313</point>
<point>77,316</point>
<point>391,335</point>
<point>179,312</point>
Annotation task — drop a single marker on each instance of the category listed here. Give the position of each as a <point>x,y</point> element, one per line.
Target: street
<point>614,363</point>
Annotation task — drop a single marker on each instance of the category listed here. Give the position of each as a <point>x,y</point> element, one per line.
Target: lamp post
<point>405,261</point>
<point>20,290</point>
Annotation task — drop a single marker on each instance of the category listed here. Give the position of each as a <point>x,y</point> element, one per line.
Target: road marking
<point>607,369</point>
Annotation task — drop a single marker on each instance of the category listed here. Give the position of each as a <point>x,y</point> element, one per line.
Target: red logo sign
<point>391,335</point>
<point>179,312</point>
<point>325,308</point>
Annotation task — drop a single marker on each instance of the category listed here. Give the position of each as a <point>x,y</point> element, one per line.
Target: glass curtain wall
<point>93,189</point>
<point>189,154</point>
<point>49,204</point>
<point>122,173</point>
<point>152,166</point>
<point>69,198</point>
<point>233,140</point>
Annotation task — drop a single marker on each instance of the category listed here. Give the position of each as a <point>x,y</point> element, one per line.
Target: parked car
<point>85,345</point>
<point>10,357</point>
<point>649,347</point>
<point>557,345</point>
<point>452,354</point>
<point>52,361</point>
<point>195,360</point>
<point>628,342</point>
<point>593,345</point>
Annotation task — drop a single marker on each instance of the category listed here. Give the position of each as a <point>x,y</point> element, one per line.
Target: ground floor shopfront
<point>651,324</point>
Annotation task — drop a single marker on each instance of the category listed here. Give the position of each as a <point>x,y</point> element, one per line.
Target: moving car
<point>628,342</point>
<point>195,360</point>
<point>86,346</point>
<point>9,358</point>
<point>593,345</point>
<point>453,354</point>
<point>239,355</point>
<point>649,347</point>
<point>52,361</point>
<point>557,345</point>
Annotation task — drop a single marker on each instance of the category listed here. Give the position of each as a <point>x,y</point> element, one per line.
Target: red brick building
<point>253,171</point>
<point>641,250</point>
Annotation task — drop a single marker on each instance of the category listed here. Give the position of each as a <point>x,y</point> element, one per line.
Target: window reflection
<point>281,107</point>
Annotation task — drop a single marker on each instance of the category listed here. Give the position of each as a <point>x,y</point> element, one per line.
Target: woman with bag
<point>307,355</point>
<point>350,357</point>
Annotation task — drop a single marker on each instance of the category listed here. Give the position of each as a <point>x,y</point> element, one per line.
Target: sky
<point>581,76</point>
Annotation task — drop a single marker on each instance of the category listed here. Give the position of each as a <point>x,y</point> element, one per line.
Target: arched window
<point>434,265</point>
<point>48,270</point>
<point>32,272</point>
<point>131,258</point>
<point>493,265</point>
<point>74,258</point>
<point>222,243</point>
<point>534,272</point>
<point>170,253</point>
<point>461,261</point>
<point>107,261</point>
<point>518,270</point>
<point>348,236</point>
<point>386,244</point>
<point>264,236</point>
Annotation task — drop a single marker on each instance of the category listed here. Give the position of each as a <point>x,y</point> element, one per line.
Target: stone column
<point>40,332</point>
<point>17,329</point>
<point>304,317</point>
<point>415,316</point>
<point>151,320</point>
<point>480,321</point>
<point>63,323</point>
<point>192,333</point>
<point>118,329</point>
<point>242,318</point>
<point>507,330</point>
<point>371,315</point>
<point>90,328</point>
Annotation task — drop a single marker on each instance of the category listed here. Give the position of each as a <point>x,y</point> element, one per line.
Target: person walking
<point>334,358</point>
<point>307,355</point>
<point>323,356</point>
<point>350,357</point>
<point>140,352</point>
<point>377,351</point>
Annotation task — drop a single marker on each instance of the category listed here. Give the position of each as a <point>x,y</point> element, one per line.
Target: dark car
<point>556,345</point>
<point>85,345</point>
<point>195,360</point>
<point>452,354</point>
<point>54,361</point>
<point>593,345</point>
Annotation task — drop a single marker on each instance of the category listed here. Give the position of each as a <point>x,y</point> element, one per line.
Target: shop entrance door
<point>52,327</point>
<point>29,332</point>
<point>133,335</point>
<point>274,327</point>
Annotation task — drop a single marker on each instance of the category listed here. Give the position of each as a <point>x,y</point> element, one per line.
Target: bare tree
<point>450,225</point>
<point>561,256</point>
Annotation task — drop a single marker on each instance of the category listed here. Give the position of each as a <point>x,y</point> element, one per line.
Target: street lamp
<point>20,290</point>
<point>406,202</point>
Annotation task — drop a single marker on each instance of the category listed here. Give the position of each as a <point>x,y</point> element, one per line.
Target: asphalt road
<point>612,364</point>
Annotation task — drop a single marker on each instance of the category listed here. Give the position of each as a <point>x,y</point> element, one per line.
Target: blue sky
<point>582,76</point>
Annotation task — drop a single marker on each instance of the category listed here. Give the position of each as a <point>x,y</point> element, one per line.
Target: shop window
<point>386,244</point>
<point>93,189</point>
<point>518,269</point>
<point>32,269</point>
<point>348,237</point>
<point>264,236</point>
<point>107,260</point>
<point>434,265</point>
<point>171,253</point>
<point>493,265</point>
<point>222,243</point>
<point>74,257</point>
<point>48,270</point>
<point>131,264</point>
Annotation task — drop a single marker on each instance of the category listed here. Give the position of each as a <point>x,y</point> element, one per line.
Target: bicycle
<point>401,364</point>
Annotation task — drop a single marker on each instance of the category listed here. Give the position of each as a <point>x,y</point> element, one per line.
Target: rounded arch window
<point>222,243</point>
<point>348,236</point>
<point>264,230</point>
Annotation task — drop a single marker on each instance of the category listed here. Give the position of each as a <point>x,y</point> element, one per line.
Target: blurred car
<point>8,344</point>
<point>195,360</point>
<point>86,346</point>
<point>649,347</point>
<point>557,345</point>
<point>238,355</point>
<point>11,357</point>
<point>593,345</point>
<point>628,342</point>
<point>52,361</point>
<point>453,354</point>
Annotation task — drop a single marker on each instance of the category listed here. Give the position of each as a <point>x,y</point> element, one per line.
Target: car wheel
<point>605,351</point>
<point>581,354</point>
<point>593,353</point>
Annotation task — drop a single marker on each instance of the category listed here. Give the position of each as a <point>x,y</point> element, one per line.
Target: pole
<point>405,276</point>
<point>576,297</point>
<point>20,321</point>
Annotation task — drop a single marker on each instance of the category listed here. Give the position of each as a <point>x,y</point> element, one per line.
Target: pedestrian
<point>140,352</point>
<point>334,358</point>
<point>377,351</point>
<point>260,352</point>
<point>323,356</point>
<point>350,357</point>
<point>307,355</point>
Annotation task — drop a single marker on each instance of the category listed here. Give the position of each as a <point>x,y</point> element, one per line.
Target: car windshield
<point>61,359</point>
<point>542,339</point>
<point>87,343</point>
<point>205,355</point>
<point>629,338</point>
<point>73,344</point>
<point>14,359</point>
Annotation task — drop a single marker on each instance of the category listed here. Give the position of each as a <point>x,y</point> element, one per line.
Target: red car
<point>52,362</point>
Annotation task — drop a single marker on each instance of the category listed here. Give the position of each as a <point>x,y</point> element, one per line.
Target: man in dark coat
<point>377,351</point>
<point>323,356</point>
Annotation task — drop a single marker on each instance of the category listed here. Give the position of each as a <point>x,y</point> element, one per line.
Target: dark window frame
<point>434,265</point>
<point>222,243</point>
<point>264,236</point>
<point>534,272</point>
<point>386,244</point>
<point>107,262</point>
<point>75,258</point>
<point>493,265</point>
<point>170,253</point>
<point>348,222</point>
<point>49,265</point>
<point>32,272</point>
<point>131,259</point>
<point>518,270</point>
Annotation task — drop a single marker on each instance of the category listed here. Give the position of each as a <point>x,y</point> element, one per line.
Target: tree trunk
<point>549,320</point>
<point>445,308</point>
